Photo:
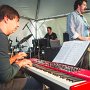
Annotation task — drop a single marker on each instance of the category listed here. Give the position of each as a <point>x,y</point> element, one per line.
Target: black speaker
<point>65,37</point>
<point>50,53</point>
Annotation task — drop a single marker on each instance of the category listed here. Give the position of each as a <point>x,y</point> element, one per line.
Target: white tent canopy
<point>40,9</point>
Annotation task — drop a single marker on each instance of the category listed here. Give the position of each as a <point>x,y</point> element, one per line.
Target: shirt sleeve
<point>55,36</point>
<point>76,35</point>
<point>45,36</point>
<point>71,26</point>
<point>7,70</point>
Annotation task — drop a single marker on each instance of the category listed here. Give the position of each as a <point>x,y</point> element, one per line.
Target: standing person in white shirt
<point>77,26</point>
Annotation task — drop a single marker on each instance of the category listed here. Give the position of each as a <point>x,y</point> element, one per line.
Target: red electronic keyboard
<point>66,76</point>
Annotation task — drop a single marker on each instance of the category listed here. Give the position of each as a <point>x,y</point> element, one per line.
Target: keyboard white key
<point>55,79</point>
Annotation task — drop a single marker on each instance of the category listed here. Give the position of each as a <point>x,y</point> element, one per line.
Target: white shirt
<point>77,25</point>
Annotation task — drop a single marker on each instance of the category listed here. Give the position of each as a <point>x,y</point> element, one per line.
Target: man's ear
<point>78,6</point>
<point>5,19</point>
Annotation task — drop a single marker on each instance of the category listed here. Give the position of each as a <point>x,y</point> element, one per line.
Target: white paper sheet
<point>71,52</point>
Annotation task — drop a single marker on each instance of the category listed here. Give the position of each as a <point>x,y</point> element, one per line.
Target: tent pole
<point>36,16</point>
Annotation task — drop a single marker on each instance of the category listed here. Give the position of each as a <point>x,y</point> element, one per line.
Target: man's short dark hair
<point>78,2</point>
<point>6,10</point>
<point>49,28</point>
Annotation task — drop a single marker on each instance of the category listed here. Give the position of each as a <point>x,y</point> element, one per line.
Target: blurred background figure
<point>50,34</point>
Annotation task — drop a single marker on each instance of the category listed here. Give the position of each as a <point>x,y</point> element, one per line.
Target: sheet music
<point>71,52</point>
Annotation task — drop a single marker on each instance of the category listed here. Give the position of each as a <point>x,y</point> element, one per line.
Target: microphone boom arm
<point>30,31</point>
<point>23,40</point>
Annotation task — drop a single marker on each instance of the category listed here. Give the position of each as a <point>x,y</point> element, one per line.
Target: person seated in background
<point>50,35</point>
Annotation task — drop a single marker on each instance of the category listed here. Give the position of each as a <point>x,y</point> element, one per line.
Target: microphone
<point>17,40</point>
<point>10,40</point>
<point>25,25</point>
<point>24,39</point>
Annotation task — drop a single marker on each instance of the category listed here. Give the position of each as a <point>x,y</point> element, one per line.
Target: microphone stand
<point>35,43</point>
<point>30,31</point>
